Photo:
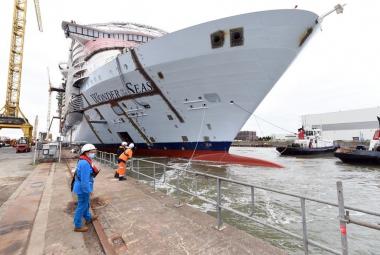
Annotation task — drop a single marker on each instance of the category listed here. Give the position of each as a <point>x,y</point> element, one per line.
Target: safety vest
<point>127,154</point>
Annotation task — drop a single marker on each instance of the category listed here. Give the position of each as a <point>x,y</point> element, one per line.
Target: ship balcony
<point>79,71</point>
<point>80,63</point>
<point>79,80</point>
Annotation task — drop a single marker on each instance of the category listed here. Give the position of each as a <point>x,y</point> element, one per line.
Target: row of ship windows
<point>97,34</point>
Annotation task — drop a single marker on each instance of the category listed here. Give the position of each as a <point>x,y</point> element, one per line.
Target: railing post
<point>218,204</point>
<point>196,184</point>
<point>252,199</point>
<point>342,218</point>
<point>138,170</point>
<point>154,177</point>
<point>304,227</point>
<point>177,190</point>
<point>164,173</point>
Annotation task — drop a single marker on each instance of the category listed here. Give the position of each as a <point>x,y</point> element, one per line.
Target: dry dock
<point>37,219</point>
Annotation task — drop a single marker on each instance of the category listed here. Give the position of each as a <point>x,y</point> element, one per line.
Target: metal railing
<point>344,217</point>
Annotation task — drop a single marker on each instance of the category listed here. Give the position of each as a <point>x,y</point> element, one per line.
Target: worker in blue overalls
<point>83,186</point>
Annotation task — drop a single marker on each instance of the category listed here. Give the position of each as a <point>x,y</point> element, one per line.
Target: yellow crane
<point>11,115</point>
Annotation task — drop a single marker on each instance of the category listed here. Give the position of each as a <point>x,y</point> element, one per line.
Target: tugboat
<point>362,155</point>
<point>309,142</point>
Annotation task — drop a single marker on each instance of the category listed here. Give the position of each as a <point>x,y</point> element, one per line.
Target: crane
<point>11,115</point>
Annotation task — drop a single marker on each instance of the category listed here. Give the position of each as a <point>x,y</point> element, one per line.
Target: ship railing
<point>158,175</point>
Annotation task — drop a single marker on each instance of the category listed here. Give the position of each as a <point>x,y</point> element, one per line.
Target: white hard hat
<point>131,145</point>
<point>87,147</point>
<point>124,144</point>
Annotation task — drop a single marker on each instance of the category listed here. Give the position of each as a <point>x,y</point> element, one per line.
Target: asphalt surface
<point>14,168</point>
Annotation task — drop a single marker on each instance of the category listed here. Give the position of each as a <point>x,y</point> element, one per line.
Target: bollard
<point>342,218</point>
<point>304,227</point>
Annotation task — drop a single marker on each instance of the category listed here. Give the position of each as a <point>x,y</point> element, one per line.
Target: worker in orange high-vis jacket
<point>122,162</point>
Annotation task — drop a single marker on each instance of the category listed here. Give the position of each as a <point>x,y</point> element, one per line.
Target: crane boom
<point>38,14</point>
<point>11,115</point>
<point>11,108</point>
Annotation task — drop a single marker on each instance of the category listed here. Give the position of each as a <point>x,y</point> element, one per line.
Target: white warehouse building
<point>357,124</point>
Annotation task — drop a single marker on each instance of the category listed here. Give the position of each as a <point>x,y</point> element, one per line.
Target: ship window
<point>206,138</point>
<point>209,126</point>
<point>109,36</point>
<point>125,66</point>
<point>185,139</point>
<point>170,117</point>
<point>85,31</point>
<point>91,32</point>
<point>144,39</point>
<point>236,37</point>
<point>135,37</point>
<point>79,30</point>
<point>130,38</point>
<point>152,139</point>
<point>96,34</point>
<point>217,39</point>
<point>161,75</point>
<point>117,109</point>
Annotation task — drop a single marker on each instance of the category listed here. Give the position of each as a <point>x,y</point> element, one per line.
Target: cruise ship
<point>182,94</point>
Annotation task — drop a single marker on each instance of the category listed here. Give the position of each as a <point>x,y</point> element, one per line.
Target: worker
<point>122,162</point>
<point>123,146</point>
<point>301,133</point>
<point>83,186</point>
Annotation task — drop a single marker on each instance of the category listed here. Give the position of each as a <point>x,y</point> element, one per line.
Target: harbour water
<point>312,177</point>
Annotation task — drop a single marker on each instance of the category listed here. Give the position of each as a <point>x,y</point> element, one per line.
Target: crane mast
<point>11,115</point>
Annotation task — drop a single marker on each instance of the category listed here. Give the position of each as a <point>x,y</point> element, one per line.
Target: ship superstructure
<point>181,94</point>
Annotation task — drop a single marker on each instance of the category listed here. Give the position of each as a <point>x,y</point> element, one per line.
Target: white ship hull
<point>176,94</point>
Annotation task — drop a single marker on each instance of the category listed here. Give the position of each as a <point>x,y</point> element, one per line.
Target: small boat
<point>362,155</point>
<point>309,142</point>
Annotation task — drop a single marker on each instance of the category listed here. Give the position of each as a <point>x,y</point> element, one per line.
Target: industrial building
<point>246,136</point>
<point>359,124</point>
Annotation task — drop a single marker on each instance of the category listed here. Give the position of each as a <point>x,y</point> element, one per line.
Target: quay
<point>37,219</point>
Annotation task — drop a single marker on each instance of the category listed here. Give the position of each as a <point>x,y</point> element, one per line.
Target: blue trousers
<point>82,210</point>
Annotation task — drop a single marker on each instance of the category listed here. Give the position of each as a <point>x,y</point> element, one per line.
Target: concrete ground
<point>14,168</point>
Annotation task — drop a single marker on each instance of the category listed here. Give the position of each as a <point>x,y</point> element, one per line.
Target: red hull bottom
<point>205,155</point>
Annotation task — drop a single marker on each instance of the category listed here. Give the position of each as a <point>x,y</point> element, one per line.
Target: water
<point>312,177</point>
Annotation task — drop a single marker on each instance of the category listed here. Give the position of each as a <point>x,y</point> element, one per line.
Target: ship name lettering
<point>106,96</point>
<point>138,88</point>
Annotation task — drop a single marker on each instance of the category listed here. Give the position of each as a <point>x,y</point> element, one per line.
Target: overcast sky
<point>338,70</point>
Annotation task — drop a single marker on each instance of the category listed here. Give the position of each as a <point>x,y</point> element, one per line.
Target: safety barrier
<point>135,166</point>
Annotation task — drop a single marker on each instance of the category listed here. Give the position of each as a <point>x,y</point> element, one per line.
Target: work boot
<point>122,178</point>
<point>116,175</point>
<point>81,229</point>
<point>94,217</point>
